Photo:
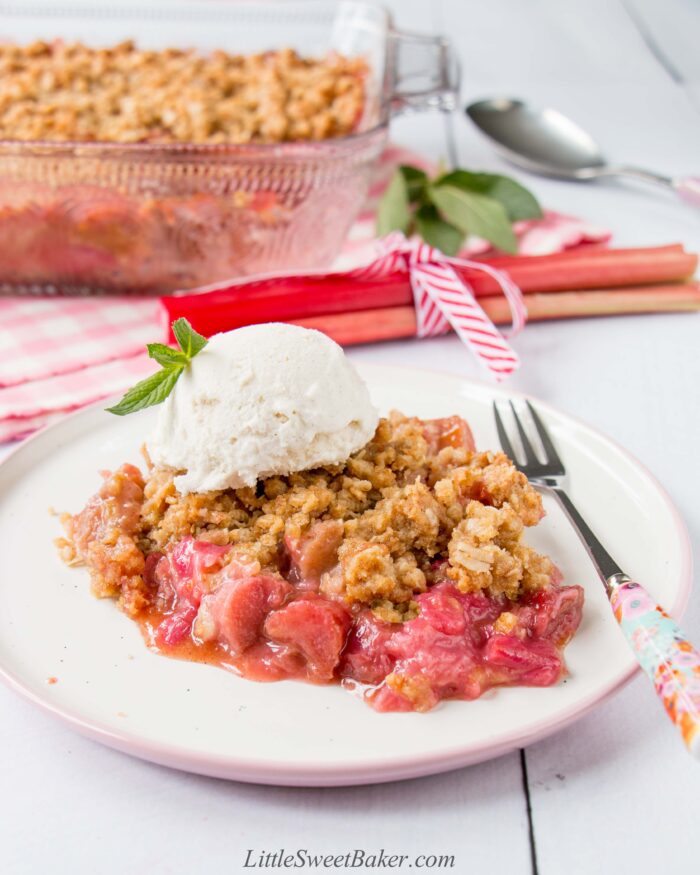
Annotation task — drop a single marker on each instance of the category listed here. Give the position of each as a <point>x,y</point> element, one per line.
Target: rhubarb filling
<point>403,573</point>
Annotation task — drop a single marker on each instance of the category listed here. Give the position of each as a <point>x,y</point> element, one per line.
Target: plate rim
<point>331,773</point>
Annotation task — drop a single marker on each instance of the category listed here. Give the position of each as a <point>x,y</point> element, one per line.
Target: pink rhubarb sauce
<point>210,608</point>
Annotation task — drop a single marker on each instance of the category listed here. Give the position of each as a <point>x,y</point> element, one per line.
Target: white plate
<point>203,719</point>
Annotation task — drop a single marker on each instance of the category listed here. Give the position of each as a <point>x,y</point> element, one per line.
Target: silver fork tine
<point>549,449</point>
<point>502,434</point>
<point>530,455</point>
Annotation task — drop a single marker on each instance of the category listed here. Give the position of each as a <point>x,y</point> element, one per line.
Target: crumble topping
<point>368,574</point>
<point>403,513</point>
<point>493,477</point>
<point>486,551</point>
<point>103,536</point>
<point>69,91</point>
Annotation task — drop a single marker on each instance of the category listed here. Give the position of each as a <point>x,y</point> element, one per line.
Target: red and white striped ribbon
<point>443,299</point>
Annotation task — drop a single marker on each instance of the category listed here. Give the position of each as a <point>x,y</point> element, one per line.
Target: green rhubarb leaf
<point>518,202</point>
<point>436,232</point>
<point>474,214</point>
<point>393,213</point>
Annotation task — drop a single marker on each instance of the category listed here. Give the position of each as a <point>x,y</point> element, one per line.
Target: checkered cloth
<point>59,354</point>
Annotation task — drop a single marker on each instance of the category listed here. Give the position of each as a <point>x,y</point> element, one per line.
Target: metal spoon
<point>547,142</point>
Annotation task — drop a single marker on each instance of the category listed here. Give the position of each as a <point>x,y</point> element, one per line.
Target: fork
<point>661,648</point>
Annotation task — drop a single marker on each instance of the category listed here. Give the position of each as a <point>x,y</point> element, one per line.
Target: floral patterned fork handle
<point>663,651</point>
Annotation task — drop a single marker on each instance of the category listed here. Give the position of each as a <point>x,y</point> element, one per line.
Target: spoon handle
<point>642,175</point>
<point>688,189</point>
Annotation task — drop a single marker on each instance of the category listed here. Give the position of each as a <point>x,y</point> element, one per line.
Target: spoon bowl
<point>545,141</point>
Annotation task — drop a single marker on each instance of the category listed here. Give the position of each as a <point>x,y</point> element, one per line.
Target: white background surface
<point>614,793</point>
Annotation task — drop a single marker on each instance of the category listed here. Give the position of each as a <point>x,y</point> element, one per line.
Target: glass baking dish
<point>91,218</point>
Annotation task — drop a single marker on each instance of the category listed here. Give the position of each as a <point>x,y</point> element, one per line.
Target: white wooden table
<point>614,793</point>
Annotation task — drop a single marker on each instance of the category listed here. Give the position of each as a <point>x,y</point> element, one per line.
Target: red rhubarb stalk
<point>284,299</point>
<point>589,269</point>
<point>289,298</point>
<point>676,297</point>
<point>505,261</point>
<point>394,323</point>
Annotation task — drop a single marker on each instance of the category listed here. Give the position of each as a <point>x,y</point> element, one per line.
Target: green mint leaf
<point>456,203</point>
<point>156,388</point>
<point>393,213</point>
<point>187,338</point>
<point>474,214</point>
<point>166,355</point>
<point>152,390</point>
<point>517,201</point>
<point>416,181</point>
<point>437,232</point>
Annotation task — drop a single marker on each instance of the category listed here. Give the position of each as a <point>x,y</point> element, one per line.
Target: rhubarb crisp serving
<point>387,554</point>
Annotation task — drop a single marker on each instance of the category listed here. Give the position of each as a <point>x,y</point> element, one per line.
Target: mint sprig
<point>446,209</point>
<point>187,339</point>
<point>156,388</point>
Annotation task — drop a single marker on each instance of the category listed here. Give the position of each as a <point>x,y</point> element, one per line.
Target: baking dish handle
<point>425,73</point>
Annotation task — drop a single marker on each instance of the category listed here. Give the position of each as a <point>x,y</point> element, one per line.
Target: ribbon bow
<point>442,299</point>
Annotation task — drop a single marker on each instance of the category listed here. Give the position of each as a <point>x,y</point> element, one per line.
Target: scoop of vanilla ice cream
<point>261,400</point>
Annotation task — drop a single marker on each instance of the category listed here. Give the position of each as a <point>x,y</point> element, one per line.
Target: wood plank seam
<point>528,809</point>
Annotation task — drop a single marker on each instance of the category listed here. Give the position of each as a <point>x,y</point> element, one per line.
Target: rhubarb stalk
<point>293,298</point>
<point>394,323</point>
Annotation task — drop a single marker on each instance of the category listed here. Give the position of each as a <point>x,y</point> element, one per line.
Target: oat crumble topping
<point>123,94</point>
<point>401,512</point>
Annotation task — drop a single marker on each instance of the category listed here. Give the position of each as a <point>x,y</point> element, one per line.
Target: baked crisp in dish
<point>123,94</point>
<point>403,571</point>
<point>172,185</point>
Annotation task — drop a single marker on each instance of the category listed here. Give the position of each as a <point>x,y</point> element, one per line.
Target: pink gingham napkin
<point>42,338</point>
<point>59,354</point>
